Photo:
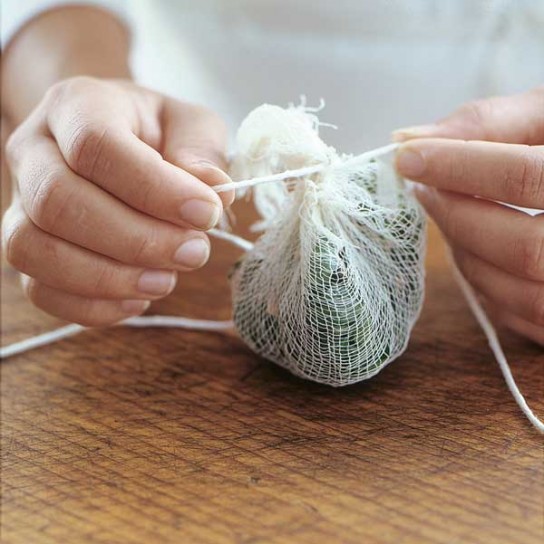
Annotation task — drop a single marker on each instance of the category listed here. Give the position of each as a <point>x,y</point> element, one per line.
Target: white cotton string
<point>297,173</point>
<point>242,243</point>
<point>372,154</point>
<point>40,340</point>
<point>304,172</point>
<point>139,322</point>
<point>176,322</point>
<point>496,348</point>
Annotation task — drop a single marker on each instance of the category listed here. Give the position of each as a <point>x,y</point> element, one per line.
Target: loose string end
<point>496,348</point>
<point>40,340</point>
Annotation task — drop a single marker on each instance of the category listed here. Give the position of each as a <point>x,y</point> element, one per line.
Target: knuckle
<point>47,201</point>
<point>60,90</point>
<point>18,148</point>
<point>85,149</point>
<point>146,249</point>
<point>530,180</point>
<point>14,239</point>
<point>13,147</point>
<point>56,92</point>
<point>475,113</point>
<point>103,279</point>
<point>144,198</point>
<point>50,254</point>
<point>458,165</point>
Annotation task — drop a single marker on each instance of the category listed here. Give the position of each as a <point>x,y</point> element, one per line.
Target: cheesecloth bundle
<point>333,286</point>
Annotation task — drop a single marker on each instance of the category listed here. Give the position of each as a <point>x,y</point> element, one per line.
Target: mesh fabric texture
<point>333,286</point>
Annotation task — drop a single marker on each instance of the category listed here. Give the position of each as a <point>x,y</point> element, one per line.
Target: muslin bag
<point>333,286</point>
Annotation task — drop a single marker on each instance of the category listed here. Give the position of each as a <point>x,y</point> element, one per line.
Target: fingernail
<point>209,165</point>
<point>417,131</point>
<point>424,193</point>
<point>213,176</point>
<point>193,253</point>
<point>410,164</point>
<point>419,189</point>
<point>157,282</point>
<point>134,307</point>
<point>201,214</point>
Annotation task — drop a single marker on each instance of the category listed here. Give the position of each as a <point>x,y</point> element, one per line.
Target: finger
<point>85,311</point>
<point>524,298</point>
<point>195,139</point>
<point>517,119</point>
<point>507,238</point>
<point>103,148</point>
<point>506,172</point>
<point>69,207</point>
<point>62,265</point>
<point>515,323</point>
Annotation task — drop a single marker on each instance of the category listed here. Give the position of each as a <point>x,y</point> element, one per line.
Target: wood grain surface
<point>170,436</point>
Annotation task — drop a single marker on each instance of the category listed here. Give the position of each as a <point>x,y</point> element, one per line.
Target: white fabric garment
<point>379,64</point>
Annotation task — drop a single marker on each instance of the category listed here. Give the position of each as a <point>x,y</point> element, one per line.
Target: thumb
<point>195,139</point>
<point>516,119</point>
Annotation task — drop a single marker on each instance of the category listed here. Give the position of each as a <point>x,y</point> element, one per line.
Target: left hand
<point>492,149</point>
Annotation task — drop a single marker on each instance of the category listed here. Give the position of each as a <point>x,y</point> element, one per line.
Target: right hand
<point>112,197</point>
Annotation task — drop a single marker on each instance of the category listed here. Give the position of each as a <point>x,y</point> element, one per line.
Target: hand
<point>498,249</point>
<point>113,197</point>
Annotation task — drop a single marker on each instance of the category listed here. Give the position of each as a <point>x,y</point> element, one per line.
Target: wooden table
<point>171,436</point>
